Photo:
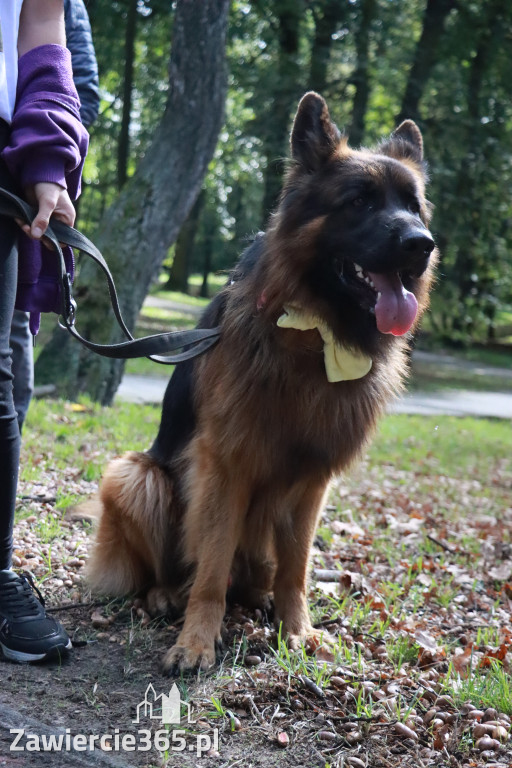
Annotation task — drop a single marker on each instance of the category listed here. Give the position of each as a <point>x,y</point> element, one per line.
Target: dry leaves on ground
<point>412,576</point>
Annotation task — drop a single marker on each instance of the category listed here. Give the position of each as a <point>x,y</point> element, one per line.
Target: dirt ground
<point>96,690</point>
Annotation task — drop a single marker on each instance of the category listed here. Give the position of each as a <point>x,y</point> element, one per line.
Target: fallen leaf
<point>427,642</point>
<point>502,572</point>
<point>491,656</point>
<point>323,653</point>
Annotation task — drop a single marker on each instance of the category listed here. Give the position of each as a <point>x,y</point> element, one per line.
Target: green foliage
<point>273,56</point>
<point>469,115</point>
<point>151,81</point>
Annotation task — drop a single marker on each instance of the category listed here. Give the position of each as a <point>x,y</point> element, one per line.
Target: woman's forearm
<point>41,22</point>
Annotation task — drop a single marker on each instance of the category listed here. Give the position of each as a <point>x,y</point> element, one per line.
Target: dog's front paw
<point>187,658</point>
<point>309,638</point>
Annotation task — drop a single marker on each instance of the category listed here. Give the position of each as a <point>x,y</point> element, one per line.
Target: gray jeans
<point>22,364</point>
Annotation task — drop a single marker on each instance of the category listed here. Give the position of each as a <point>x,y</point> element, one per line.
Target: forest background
<point>187,155</point>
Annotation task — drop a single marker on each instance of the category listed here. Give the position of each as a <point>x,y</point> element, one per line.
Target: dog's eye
<point>362,201</point>
<point>414,206</point>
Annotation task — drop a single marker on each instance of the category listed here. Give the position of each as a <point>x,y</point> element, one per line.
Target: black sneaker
<point>27,633</point>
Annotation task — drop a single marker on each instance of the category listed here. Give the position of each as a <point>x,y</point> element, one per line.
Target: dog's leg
<point>215,516</point>
<point>252,580</point>
<point>254,566</point>
<point>295,530</point>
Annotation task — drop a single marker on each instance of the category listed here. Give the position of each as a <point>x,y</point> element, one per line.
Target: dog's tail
<point>132,511</point>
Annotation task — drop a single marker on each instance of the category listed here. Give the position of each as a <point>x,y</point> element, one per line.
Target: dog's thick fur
<point>252,431</point>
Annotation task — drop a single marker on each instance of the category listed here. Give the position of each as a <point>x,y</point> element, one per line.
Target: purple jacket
<point>48,143</point>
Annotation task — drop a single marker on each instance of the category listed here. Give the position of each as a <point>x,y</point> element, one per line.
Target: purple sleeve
<point>48,141</point>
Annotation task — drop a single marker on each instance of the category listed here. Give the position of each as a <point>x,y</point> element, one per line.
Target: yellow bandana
<point>341,363</point>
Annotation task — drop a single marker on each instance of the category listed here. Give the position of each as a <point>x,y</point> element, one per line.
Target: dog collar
<point>341,363</point>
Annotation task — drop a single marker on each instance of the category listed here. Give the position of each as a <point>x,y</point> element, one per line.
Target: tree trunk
<point>180,270</point>
<point>143,222</point>
<point>208,253</point>
<point>425,56</point>
<point>360,78</point>
<point>286,91</point>
<point>327,14</point>
<point>123,147</point>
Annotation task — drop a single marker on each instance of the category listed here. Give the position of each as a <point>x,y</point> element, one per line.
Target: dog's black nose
<point>418,244</point>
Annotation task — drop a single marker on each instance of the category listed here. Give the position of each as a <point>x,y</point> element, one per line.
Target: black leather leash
<point>198,340</point>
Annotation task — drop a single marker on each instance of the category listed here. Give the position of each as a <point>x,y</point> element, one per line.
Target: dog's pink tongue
<point>396,308</point>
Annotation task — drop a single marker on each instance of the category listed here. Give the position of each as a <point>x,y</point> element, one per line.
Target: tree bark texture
<point>123,149</point>
<point>184,248</point>
<point>286,91</point>
<point>361,76</point>
<point>138,229</point>
<point>327,15</point>
<point>425,56</point>
<point>210,226</point>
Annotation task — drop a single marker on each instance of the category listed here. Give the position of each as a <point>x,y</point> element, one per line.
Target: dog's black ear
<point>406,142</point>
<point>314,136</point>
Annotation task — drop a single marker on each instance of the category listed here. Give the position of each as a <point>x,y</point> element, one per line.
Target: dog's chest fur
<point>264,398</point>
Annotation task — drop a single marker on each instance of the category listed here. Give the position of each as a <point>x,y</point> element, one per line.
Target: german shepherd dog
<point>314,324</point>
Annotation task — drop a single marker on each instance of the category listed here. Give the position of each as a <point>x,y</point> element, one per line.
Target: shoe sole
<point>28,657</point>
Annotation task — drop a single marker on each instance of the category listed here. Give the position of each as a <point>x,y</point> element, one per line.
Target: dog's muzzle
<point>416,245</point>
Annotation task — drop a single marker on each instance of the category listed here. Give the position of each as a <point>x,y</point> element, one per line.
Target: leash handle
<point>155,347</point>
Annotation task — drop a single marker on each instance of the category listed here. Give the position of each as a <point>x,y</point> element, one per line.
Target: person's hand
<point>50,199</point>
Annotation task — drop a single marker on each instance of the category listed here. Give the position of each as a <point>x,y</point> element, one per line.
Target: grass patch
<point>216,281</point>
<point>83,435</point>
<point>156,320</point>
<point>446,445</point>
<point>195,302</point>
<point>492,689</point>
<point>141,366</point>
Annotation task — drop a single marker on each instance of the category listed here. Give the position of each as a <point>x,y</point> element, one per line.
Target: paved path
<point>457,402</point>
<point>452,363</point>
<point>143,389</point>
<point>187,309</point>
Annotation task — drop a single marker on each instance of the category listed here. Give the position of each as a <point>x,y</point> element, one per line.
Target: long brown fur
<point>238,502</point>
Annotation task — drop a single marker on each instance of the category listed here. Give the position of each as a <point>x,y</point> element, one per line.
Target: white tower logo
<point>169,706</point>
